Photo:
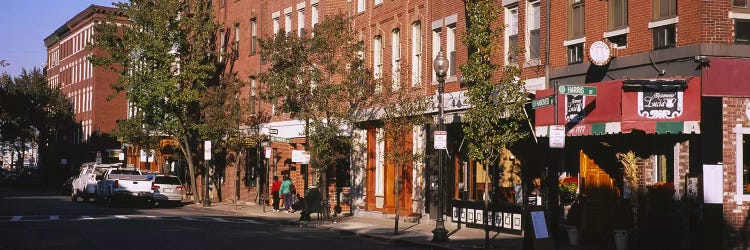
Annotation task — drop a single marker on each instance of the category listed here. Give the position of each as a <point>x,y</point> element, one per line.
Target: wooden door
<point>601,196</point>
<point>406,178</point>
<point>404,145</point>
<point>371,157</point>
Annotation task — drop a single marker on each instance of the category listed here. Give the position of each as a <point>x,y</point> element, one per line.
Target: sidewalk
<point>419,234</point>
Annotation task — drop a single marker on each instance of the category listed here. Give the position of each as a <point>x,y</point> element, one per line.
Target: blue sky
<point>25,23</point>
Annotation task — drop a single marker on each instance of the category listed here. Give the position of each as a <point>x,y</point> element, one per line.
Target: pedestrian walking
<point>275,187</point>
<point>286,193</point>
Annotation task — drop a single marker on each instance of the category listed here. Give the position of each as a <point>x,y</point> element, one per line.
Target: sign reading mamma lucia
<point>660,105</point>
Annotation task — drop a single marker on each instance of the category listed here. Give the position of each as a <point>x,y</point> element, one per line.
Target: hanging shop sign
<point>300,156</point>
<point>660,105</point>
<point>574,108</point>
<point>599,53</point>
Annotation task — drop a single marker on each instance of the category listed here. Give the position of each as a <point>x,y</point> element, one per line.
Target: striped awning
<point>654,106</point>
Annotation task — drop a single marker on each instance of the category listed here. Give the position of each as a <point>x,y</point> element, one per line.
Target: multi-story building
<point>87,87</point>
<point>669,87</point>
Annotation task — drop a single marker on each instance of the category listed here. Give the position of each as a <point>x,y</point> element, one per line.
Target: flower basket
<point>660,196</point>
<point>568,190</point>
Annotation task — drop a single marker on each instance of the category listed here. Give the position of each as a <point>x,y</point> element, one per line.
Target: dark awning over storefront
<point>668,105</point>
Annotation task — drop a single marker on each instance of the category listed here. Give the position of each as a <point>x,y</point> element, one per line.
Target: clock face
<point>599,53</point>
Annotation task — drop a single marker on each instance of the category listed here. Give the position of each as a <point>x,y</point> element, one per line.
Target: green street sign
<point>577,90</point>
<point>279,139</point>
<point>543,102</point>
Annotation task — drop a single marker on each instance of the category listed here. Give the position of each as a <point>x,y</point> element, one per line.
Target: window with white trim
<point>742,31</point>
<point>288,23</point>
<point>576,19</point>
<point>664,9</point>
<point>450,47</point>
<point>360,6</point>
<point>416,54</point>
<point>436,33</point>
<point>254,36</point>
<point>740,3</point>
<point>742,156</point>
<point>617,17</point>
<point>395,59</point>
<point>511,35</point>
<point>533,27</point>
<point>301,22</point>
<point>276,25</point>
<point>377,57</point>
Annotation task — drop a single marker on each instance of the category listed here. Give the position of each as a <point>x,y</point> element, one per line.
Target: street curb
<point>379,237</point>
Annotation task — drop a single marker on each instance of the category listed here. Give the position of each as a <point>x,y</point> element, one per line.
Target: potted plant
<point>568,190</point>
<point>572,221</point>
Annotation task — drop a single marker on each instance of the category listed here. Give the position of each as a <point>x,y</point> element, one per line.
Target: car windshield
<point>167,180</point>
<point>125,172</point>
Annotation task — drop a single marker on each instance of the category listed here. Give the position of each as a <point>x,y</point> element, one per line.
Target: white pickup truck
<point>121,184</point>
<point>84,185</point>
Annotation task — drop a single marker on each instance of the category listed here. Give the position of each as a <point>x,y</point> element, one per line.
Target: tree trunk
<point>324,193</point>
<point>237,177</point>
<point>185,147</point>
<point>396,199</point>
<point>486,204</point>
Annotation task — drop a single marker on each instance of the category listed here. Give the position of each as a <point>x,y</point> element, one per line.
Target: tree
<point>321,80</point>
<point>166,59</point>
<point>402,113</point>
<point>33,112</point>
<point>497,118</point>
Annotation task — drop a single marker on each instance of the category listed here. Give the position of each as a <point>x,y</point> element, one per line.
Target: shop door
<point>599,204</point>
<point>405,175</point>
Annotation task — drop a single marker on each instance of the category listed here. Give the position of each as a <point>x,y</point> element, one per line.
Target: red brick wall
<point>735,215</point>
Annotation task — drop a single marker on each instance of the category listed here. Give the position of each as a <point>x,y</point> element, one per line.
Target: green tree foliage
<point>322,80</point>
<point>497,118</point>
<point>166,59</point>
<point>33,112</point>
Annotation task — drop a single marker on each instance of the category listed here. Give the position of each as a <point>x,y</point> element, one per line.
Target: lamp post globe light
<point>440,65</point>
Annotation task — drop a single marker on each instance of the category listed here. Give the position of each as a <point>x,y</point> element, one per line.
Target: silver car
<point>167,189</point>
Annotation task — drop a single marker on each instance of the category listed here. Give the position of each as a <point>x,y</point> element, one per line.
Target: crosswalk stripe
<point>85,217</point>
<point>54,217</point>
<point>121,217</point>
<point>16,218</point>
<point>189,218</point>
<point>219,219</point>
<point>251,221</point>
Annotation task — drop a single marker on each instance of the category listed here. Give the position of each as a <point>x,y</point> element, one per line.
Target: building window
<point>511,35</point>
<point>288,23</point>
<point>301,22</point>
<point>664,36</point>
<point>740,3</point>
<point>618,14</point>
<point>360,6</point>
<point>742,31</point>
<point>236,44</point>
<point>396,59</point>
<point>620,41</point>
<point>222,45</point>
<point>664,9</point>
<point>416,54</point>
<point>533,26</point>
<point>377,57</point>
<point>276,25</point>
<point>663,168</point>
<point>436,33</point>
<point>576,19</point>
<point>742,157</point>
<point>745,174</point>
<point>575,53</point>
<point>314,15</point>
<point>451,48</point>
<point>254,38</point>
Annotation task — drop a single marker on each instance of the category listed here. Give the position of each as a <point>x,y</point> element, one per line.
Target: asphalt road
<point>31,219</point>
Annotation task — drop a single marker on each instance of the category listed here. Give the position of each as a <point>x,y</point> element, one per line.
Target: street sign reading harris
<point>577,90</point>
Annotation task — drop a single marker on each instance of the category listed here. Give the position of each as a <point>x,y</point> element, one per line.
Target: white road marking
<point>54,217</point>
<point>219,219</point>
<point>250,221</point>
<point>153,217</point>
<point>121,217</point>
<point>189,218</point>
<point>16,218</point>
<point>85,217</point>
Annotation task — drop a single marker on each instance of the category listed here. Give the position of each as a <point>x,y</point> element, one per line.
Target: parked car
<point>119,184</point>
<point>167,190</point>
<point>84,185</point>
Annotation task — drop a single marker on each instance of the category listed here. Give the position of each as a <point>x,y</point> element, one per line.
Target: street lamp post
<point>440,65</point>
